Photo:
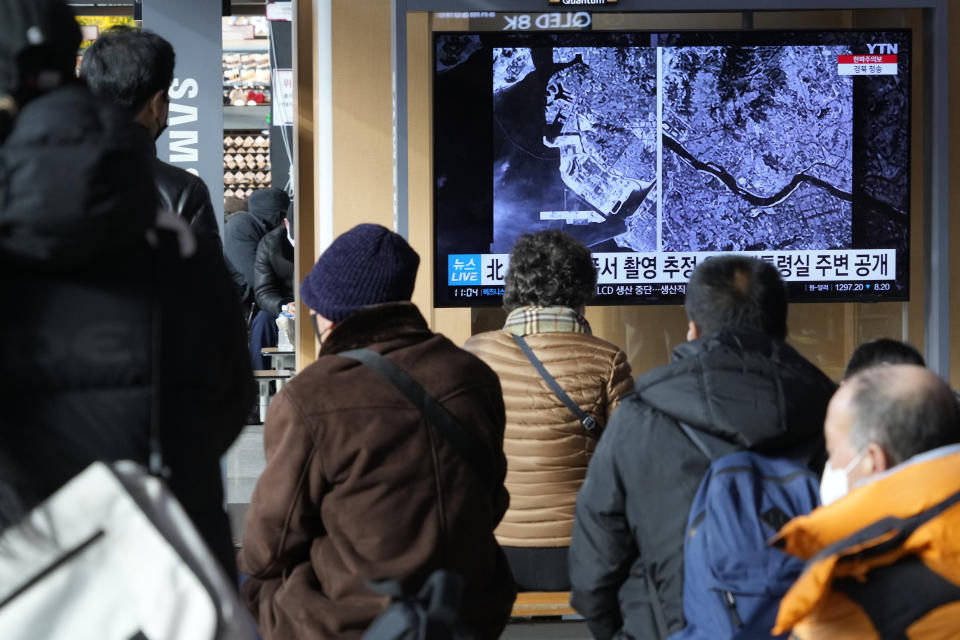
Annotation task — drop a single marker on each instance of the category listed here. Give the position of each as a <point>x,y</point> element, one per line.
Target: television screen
<point>660,150</point>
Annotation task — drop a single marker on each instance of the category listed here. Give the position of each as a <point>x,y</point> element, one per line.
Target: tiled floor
<point>542,630</point>
<point>243,464</point>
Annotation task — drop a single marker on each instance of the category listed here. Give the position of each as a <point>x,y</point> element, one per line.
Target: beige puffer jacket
<point>547,448</point>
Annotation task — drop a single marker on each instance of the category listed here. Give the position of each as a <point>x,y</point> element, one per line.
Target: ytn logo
<point>882,48</point>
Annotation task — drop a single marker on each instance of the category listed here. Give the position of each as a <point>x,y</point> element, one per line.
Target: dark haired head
<point>905,409</point>
<point>128,66</point>
<point>549,268</point>
<point>882,351</point>
<point>737,292</point>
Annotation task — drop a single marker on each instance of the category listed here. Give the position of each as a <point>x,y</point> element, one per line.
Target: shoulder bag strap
<point>587,421</point>
<point>470,448</point>
<point>710,446</point>
<point>155,465</point>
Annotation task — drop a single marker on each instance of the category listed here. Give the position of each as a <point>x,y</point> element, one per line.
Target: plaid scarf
<point>524,321</point>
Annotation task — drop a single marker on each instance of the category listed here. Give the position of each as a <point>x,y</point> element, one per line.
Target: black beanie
<point>367,265</point>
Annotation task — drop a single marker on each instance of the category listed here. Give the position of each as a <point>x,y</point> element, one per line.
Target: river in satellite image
<point>750,147</point>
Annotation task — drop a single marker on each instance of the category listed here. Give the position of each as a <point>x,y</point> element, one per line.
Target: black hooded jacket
<point>243,233</point>
<point>273,272</point>
<point>631,513</point>
<point>113,313</point>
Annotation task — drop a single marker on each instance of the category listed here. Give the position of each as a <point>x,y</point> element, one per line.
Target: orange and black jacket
<point>884,561</point>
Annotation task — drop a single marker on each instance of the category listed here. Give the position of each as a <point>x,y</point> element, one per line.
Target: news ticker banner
<point>834,265</point>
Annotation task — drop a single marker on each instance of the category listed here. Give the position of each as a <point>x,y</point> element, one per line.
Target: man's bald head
<point>905,409</point>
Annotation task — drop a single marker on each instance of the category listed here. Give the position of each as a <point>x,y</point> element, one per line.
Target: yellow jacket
<point>884,561</point>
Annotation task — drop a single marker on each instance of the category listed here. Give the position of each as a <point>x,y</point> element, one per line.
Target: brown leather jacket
<point>547,448</point>
<point>358,487</point>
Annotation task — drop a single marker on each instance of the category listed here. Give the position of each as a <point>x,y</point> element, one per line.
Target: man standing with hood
<point>92,360</point>
<point>359,485</point>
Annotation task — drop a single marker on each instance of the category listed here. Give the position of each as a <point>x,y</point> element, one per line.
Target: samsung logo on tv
<point>576,2</point>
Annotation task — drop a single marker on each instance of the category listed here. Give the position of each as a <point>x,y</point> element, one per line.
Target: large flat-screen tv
<point>659,150</point>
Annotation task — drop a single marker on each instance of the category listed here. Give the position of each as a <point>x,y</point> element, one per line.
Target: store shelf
<point>258,45</point>
<point>253,118</point>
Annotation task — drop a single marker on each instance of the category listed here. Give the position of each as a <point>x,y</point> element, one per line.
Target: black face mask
<point>163,127</point>
<point>316,329</point>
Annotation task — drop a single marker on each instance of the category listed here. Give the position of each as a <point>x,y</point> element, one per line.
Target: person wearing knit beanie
<point>367,265</point>
<point>362,481</point>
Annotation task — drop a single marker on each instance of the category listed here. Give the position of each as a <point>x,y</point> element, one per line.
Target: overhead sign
<point>282,98</point>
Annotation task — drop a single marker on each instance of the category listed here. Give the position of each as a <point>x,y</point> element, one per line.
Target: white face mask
<point>835,484</point>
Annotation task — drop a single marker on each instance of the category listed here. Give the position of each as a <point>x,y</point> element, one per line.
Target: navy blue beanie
<point>367,265</point>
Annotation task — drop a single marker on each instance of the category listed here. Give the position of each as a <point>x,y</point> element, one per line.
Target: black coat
<point>273,271</point>
<point>187,196</point>
<point>631,512</point>
<point>104,295</point>
<point>241,236</point>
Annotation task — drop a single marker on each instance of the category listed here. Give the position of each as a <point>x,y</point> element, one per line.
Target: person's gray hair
<point>549,268</point>
<point>905,416</point>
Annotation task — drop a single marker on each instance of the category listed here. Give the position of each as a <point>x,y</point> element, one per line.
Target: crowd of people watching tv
<point>528,459</point>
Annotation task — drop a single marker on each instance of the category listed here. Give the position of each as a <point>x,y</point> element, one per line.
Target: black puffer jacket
<point>90,273</point>
<point>632,510</point>
<point>187,196</point>
<point>273,271</point>
<point>244,231</point>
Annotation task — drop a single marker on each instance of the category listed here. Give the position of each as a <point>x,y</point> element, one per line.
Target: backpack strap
<point>587,421</point>
<point>470,448</point>
<point>659,618</point>
<point>710,446</point>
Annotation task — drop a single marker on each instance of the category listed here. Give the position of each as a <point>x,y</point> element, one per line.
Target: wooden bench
<point>263,378</point>
<point>537,604</point>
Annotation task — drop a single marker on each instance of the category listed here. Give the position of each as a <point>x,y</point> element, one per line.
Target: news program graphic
<point>881,61</point>
<point>668,147</point>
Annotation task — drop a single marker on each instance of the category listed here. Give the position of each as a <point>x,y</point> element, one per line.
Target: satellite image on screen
<point>661,149</point>
<point>757,146</point>
<point>580,123</point>
<point>757,149</point>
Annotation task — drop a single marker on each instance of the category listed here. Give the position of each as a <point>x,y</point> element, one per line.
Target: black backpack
<point>431,614</point>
